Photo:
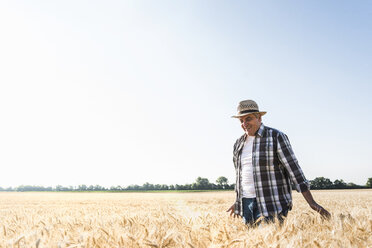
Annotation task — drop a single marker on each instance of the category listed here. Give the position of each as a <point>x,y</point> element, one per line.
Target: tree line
<point>199,184</point>
<point>326,183</point>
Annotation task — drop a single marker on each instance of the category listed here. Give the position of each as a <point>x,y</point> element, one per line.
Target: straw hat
<point>247,107</point>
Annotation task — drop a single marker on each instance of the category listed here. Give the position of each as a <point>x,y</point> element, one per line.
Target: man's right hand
<point>232,211</point>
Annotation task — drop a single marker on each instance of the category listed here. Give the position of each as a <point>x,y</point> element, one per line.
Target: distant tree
<point>133,187</point>
<point>148,186</point>
<point>82,187</point>
<point>321,183</point>
<point>164,187</point>
<point>129,187</point>
<point>352,186</point>
<point>202,183</point>
<point>187,187</point>
<point>231,186</point>
<point>339,184</point>
<point>113,188</point>
<point>222,182</point>
<point>23,188</point>
<point>59,188</point>
<point>194,186</point>
<point>369,182</point>
<point>214,186</point>
<point>116,188</point>
<point>100,188</point>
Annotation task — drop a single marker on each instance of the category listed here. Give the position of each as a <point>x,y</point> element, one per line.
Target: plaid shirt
<point>275,168</point>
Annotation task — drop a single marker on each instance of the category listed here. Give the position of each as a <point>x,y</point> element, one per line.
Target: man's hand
<point>324,213</point>
<point>310,200</point>
<point>232,211</point>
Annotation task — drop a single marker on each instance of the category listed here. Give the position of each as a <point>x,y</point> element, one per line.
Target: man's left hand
<point>324,213</point>
<point>310,200</point>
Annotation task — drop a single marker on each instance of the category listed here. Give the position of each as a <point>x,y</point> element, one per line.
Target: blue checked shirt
<point>275,168</point>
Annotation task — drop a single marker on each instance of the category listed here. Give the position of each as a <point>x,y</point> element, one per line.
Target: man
<point>265,167</point>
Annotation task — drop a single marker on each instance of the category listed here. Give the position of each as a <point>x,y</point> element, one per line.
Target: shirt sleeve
<point>290,163</point>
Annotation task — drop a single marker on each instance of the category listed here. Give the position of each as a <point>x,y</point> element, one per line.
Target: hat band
<point>248,111</point>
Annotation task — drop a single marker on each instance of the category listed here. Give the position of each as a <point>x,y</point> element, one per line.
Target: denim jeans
<point>251,213</point>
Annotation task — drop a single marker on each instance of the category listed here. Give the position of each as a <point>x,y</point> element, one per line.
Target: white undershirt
<point>247,169</point>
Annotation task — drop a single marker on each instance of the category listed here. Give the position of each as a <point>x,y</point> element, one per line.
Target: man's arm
<point>289,161</point>
<point>232,209</point>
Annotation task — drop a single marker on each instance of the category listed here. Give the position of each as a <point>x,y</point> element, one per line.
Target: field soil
<point>176,220</point>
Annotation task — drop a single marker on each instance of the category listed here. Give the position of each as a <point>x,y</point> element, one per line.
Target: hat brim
<point>241,115</point>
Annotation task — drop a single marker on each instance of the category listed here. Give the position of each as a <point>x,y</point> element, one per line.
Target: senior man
<point>265,167</point>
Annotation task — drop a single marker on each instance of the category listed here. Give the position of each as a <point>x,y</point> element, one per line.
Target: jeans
<point>251,213</point>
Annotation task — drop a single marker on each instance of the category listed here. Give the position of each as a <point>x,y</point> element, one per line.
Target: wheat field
<point>176,220</point>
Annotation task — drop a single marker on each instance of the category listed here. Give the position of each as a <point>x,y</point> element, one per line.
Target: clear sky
<point>128,92</point>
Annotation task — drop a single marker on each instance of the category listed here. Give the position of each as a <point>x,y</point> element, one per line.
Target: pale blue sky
<point>128,92</point>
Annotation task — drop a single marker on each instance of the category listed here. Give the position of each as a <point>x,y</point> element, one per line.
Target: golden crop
<point>176,220</point>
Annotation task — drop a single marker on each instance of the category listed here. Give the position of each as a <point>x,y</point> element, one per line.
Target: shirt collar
<point>260,130</point>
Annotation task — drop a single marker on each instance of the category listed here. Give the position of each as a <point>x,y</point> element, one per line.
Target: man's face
<point>250,124</point>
